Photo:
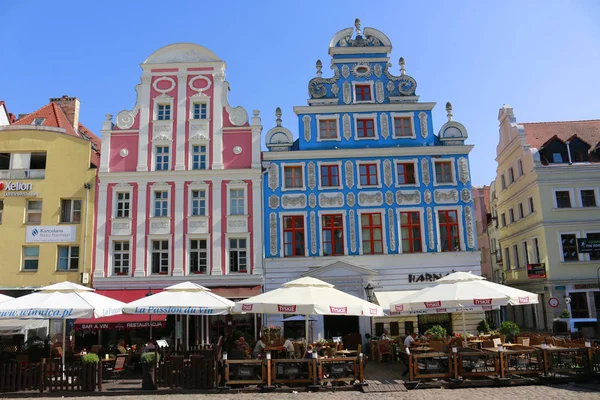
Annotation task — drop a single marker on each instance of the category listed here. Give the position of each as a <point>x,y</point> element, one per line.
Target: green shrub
<point>510,329</point>
<point>483,326</point>
<point>148,357</point>
<point>565,314</point>
<point>90,358</point>
<point>437,332</point>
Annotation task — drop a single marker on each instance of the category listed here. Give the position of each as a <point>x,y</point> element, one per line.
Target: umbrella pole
<point>464,326</point>
<point>64,350</point>
<point>306,329</point>
<point>187,333</point>
<point>151,327</point>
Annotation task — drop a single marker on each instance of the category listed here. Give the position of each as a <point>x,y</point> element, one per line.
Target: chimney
<point>70,106</point>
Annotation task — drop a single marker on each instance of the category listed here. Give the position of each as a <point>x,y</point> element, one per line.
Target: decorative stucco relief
<point>345,71</point>
<point>328,200</point>
<point>390,215</point>
<point>293,201</point>
<point>350,199</point>
<point>335,89</point>
<point>378,70</point>
<point>200,224</point>
<point>385,129</point>
<point>349,174</point>
<point>423,120</point>
<point>312,200</point>
<point>404,197</point>
<point>346,123</point>
<point>313,232</point>
<point>390,86</point>
<point>352,231</point>
<point>463,170</point>
<point>307,133</point>
<point>427,195</point>
<point>387,172</point>
<point>379,92</point>
<point>273,233</point>
<point>430,228</point>
<point>273,201</point>
<point>470,235</point>
<point>273,176</point>
<point>366,199</point>
<point>347,95</point>
<point>425,171</point>
<point>445,196</point>
<point>389,197</point>
<point>465,195</point>
<point>312,180</point>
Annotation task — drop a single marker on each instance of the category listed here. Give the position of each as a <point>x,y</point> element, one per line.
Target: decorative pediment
<point>339,269</point>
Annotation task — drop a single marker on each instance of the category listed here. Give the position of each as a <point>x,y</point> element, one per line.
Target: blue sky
<point>542,57</point>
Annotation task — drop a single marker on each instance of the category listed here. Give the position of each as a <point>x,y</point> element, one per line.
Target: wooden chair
<point>524,341</point>
<point>488,344</point>
<point>383,349</point>
<point>497,342</point>
<point>118,367</point>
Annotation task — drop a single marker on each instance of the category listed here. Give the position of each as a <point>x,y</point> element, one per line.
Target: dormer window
<point>362,92</point>
<point>38,121</point>
<point>164,112</point>
<point>557,158</point>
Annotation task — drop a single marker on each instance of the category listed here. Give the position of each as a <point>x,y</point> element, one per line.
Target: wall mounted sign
<point>536,271</point>
<point>588,245</point>
<point>51,234</point>
<point>586,286</point>
<point>553,302</point>
<point>17,189</point>
<point>418,278</point>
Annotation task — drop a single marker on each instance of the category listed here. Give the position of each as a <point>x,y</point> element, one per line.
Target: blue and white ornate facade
<point>368,193</point>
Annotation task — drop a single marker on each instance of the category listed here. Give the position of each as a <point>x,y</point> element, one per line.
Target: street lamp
<point>150,294</point>
<point>369,292</point>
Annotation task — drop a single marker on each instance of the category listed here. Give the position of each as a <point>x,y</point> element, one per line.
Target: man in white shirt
<point>289,348</point>
<point>410,340</point>
<point>259,347</point>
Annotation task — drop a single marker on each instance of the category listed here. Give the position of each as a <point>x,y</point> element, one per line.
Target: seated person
<point>289,347</point>
<point>309,352</point>
<point>121,347</point>
<point>242,345</point>
<point>259,347</point>
<point>410,340</point>
<point>150,346</point>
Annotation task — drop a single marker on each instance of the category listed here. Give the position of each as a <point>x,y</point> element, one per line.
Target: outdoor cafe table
<point>421,349</point>
<point>346,353</point>
<point>277,350</point>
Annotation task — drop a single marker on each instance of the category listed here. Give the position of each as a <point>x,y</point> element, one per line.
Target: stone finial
<point>402,66</point>
<point>278,115</point>
<point>256,113</point>
<point>109,117</point>
<point>357,26</point>
<point>449,111</point>
<point>319,66</point>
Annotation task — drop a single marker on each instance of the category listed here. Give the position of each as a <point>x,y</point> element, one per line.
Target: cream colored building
<point>546,196</point>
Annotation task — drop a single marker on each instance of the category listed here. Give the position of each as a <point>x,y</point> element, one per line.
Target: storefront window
<point>579,305</point>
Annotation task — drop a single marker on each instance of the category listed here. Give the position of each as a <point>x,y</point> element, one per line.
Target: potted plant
<point>438,333</point>
<point>565,314</point>
<point>89,363</point>
<point>36,350</point>
<point>510,330</point>
<point>483,327</point>
<point>149,361</point>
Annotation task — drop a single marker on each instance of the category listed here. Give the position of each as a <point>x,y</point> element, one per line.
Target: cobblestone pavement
<point>563,392</point>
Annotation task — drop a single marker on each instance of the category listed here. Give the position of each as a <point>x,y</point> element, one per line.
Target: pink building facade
<point>179,193</point>
<point>481,204</point>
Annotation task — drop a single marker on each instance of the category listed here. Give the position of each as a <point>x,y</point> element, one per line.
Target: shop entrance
<point>340,325</point>
<point>427,321</point>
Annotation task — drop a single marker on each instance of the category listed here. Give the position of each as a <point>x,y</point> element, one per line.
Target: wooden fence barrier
<point>344,369</point>
<point>198,372</point>
<point>49,376</point>
<point>431,365</point>
<point>245,372</point>
<point>294,371</point>
<point>477,364</point>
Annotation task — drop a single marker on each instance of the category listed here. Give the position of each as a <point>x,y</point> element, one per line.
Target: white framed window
<point>365,126</point>
<point>161,203</point>
<point>160,257</point>
<point>520,211</point>
<point>70,211</point>
<point>121,257</point>
<point>198,203</point>
<point>531,205</point>
<point>31,257</point>
<point>407,172</point>
<point>123,204</point>
<point>588,197</point>
<point>372,232</point>
<point>199,156</point>
<point>563,198</point>
<point>23,165</point>
<point>33,212</point>
<point>369,175</point>
<point>293,176</point>
<point>568,246</point>
<point>68,258</point>
<point>332,226</point>
<point>516,256</point>
<point>525,252</point>
<point>411,233</point>
<point>163,112</point>
<point>520,167</point>
<point>199,110</point>
<point>503,181</point>
<point>403,125</point>
<point>198,256</point>
<point>161,158</point>
<point>238,194</point>
<point>330,175</point>
<point>363,92</point>
<point>238,254</point>
<point>444,172</point>
<point>1,210</point>
<point>535,247</point>
<point>328,127</point>
<point>449,229</point>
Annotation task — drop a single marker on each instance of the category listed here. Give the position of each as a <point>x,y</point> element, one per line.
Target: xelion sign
<point>50,234</point>
<point>17,189</point>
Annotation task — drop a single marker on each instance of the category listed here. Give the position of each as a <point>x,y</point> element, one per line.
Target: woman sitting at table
<point>309,352</point>
<point>259,347</point>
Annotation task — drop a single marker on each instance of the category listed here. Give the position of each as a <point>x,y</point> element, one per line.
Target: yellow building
<point>48,166</point>
<point>545,197</point>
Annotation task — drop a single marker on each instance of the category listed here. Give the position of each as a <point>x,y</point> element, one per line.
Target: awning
<point>20,326</point>
<point>123,321</point>
<point>385,298</point>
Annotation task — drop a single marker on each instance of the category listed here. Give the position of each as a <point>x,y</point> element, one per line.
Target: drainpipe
<point>569,152</point>
<point>87,187</point>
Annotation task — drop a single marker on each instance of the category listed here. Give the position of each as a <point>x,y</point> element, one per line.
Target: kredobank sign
<point>50,234</point>
<point>17,189</point>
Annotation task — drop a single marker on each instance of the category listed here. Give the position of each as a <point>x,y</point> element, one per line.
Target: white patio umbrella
<point>64,300</point>
<point>4,298</point>
<point>462,291</point>
<point>306,296</point>
<point>185,298</point>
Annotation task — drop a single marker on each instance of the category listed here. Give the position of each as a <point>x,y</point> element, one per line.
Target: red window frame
<point>446,225</point>
<point>445,169</point>
<point>366,172</point>
<point>413,220</point>
<point>402,129</point>
<point>293,224</point>
<point>365,127</point>
<point>328,129</point>
<point>328,174</point>
<point>329,224</point>
<point>371,228</point>
<point>362,92</point>
<point>408,177</point>
<point>294,175</point>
